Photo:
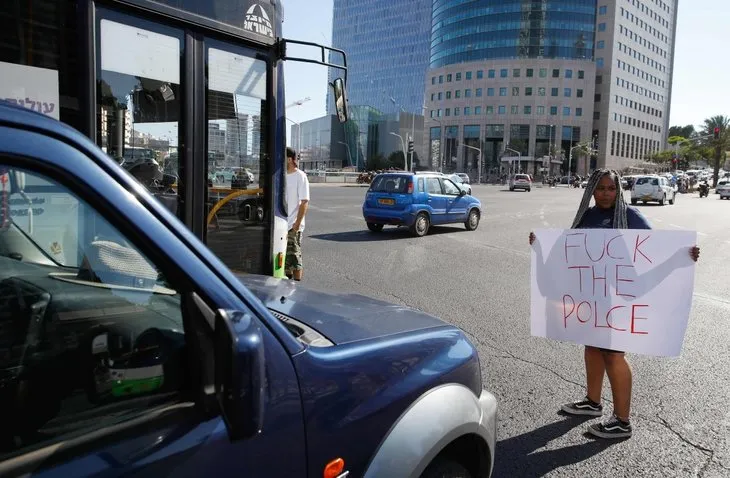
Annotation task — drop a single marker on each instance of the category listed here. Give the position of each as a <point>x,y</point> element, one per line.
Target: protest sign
<point>627,290</point>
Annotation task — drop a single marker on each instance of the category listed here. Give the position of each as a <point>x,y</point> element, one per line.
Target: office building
<point>529,81</point>
<point>387,46</point>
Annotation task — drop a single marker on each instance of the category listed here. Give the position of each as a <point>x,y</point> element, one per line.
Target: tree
<point>376,162</point>
<point>395,160</point>
<point>720,145</point>
<point>683,131</point>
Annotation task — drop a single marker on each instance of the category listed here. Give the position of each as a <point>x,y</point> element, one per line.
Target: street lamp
<point>570,158</point>
<point>479,161</point>
<point>519,156</point>
<point>299,127</point>
<point>349,156</point>
<point>405,158</point>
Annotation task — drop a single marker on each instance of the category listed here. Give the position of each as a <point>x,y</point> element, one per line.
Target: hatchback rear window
<point>522,176</point>
<point>652,181</point>
<point>390,184</point>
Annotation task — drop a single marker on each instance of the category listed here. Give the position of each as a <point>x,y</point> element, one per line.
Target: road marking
<point>674,225</point>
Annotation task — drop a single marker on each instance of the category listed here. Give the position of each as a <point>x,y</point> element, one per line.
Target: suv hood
<point>342,318</point>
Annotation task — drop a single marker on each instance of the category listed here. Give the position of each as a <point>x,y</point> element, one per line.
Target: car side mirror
<point>462,193</point>
<point>239,373</point>
<point>340,99</point>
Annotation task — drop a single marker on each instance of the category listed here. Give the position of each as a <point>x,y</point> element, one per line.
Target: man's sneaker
<point>612,428</point>
<point>584,407</point>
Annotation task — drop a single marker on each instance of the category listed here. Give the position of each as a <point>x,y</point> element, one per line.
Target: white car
<point>720,183</point>
<point>456,178</point>
<point>520,181</point>
<point>723,189</point>
<point>654,189</point>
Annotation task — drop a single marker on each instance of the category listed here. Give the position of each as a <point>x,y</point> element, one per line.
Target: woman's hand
<point>694,253</point>
<point>532,238</point>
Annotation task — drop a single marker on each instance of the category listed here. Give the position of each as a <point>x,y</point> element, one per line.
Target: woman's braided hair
<point>619,217</point>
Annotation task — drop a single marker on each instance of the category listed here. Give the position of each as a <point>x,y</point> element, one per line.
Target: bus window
<point>238,226</point>
<point>138,114</point>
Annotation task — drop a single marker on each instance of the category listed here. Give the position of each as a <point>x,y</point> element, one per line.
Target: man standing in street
<point>297,201</point>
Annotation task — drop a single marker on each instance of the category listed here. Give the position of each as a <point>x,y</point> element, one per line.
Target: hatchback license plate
<point>389,202</point>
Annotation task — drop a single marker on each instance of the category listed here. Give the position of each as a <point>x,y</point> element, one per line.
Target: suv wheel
<point>661,201</point>
<point>375,227</point>
<point>421,225</point>
<point>472,221</point>
<point>445,469</point>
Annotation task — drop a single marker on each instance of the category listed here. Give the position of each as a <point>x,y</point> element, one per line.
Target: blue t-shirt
<point>597,218</point>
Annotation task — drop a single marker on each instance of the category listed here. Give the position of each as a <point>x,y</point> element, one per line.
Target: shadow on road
<point>387,234</point>
<point>518,456</point>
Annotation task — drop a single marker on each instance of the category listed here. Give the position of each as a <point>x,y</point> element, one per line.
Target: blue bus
<point>196,85</point>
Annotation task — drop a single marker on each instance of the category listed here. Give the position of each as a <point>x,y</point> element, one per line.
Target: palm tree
<point>721,144</point>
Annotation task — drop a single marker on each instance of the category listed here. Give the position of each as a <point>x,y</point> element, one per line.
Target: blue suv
<point>418,201</point>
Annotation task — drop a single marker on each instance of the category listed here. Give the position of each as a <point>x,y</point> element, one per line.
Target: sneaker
<point>584,407</point>
<point>612,428</point>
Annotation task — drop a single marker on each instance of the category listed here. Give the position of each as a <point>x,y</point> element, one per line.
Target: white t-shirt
<point>297,190</point>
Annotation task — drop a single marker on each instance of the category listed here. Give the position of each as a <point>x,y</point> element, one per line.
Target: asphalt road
<point>479,281</point>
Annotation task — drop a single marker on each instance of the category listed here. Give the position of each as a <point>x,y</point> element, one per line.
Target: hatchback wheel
<point>420,227</point>
<point>472,222</point>
<point>375,227</point>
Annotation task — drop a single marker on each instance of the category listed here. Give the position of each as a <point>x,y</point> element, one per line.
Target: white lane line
<point>674,225</point>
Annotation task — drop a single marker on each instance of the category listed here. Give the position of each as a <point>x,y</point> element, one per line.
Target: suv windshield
<point>390,184</point>
<point>522,176</point>
<point>652,181</point>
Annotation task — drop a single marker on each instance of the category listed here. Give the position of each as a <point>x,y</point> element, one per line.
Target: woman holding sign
<point>610,211</point>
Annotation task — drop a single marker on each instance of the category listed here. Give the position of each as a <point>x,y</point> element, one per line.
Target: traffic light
<point>716,133</point>
<point>410,147</point>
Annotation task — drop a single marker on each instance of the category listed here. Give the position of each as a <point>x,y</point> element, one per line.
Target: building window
<point>502,110</point>
<point>596,115</point>
<point>467,93</point>
<point>567,92</point>
<point>480,74</point>
<point>514,109</point>
<point>458,77</point>
<point>468,75</point>
<point>516,72</point>
<point>433,113</point>
<point>597,98</point>
<point>479,92</point>
<point>601,45</point>
<point>528,91</point>
<point>503,73</point>
<point>569,73</point>
<point>579,93</point>
<point>490,74</point>
<point>477,110</point>
<point>556,73</point>
<point>503,91</point>
<point>579,111</point>
<point>543,73</point>
<point>581,74</point>
<point>602,10</point>
<point>599,62</point>
<point>541,110</point>
<point>566,110</point>
<point>448,95</point>
<point>448,112</point>
<point>433,80</point>
<point>541,91</point>
<point>441,79</point>
<point>530,73</point>
<point>515,91</point>
<point>467,111</point>
<point>456,111</point>
<point>601,27</point>
<point>433,96</point>
<point>599,79</point>
<point>527,110</point>
<point>553,92</point>
<point>457,94</point>
<point>553,111</point>
<point>490,110</point>
<point>490,91</point>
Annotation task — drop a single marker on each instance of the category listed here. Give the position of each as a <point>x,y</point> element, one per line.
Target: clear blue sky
<point>701,65</point>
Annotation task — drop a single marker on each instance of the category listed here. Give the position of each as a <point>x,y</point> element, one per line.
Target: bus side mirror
<point>340,99</point>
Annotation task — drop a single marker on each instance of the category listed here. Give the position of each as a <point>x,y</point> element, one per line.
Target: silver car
<point>456,178</point>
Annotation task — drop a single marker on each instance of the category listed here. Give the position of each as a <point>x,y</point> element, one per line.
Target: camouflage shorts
<point>293,251</point>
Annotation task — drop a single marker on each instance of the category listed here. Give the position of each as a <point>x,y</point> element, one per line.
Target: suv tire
<point>421,225</point>
<point>441,468</point>
<point>472,220</point>
<point>375,227</point>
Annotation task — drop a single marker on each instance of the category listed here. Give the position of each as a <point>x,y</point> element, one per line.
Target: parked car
<point>459,182</point>
<point>130,347</point>
<point>652,188</point>
<point>418,201</point>
<point>721,182</point>
<point>723,189</point>
<point>520,181</point>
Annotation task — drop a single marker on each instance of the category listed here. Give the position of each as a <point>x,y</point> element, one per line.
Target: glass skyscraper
<point>387,46</point>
